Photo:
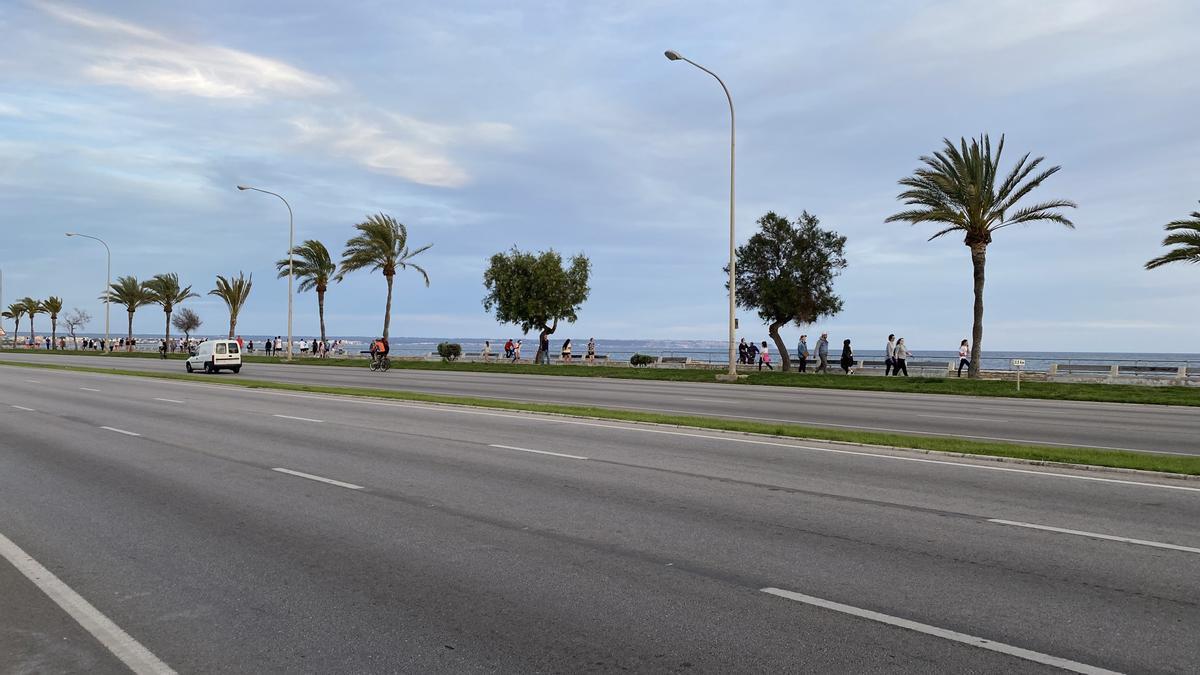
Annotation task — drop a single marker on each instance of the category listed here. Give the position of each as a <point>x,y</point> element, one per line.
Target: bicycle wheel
<point>385,364</point>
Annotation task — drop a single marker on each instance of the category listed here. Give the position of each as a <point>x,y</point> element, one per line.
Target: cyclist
<point>379,350</point>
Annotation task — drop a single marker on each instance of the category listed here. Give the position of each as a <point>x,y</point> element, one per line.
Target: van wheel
<point>208,367</point>
<point>237,369</point>
<point>188,366</point>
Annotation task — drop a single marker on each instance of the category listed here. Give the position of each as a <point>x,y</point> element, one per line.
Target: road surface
<point>1167,429</point>
<point>227,529</point>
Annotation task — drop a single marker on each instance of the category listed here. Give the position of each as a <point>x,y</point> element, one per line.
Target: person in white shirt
<point>964,356</point>
<point>889,353</point>
<point>900,357</point>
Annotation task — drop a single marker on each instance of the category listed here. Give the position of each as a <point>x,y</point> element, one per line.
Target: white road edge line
<point>982,643</point>
<point>961,417</point>
<point>21,407</point>
<point>34,381</point>
<point>540,452</point>
<point>88,389</point>
<point>301,474</point>
<point>301,419</point>
<point>1095,535</point>
<point>120,431</point>
<point>121,644</point>
<point>168,400</point>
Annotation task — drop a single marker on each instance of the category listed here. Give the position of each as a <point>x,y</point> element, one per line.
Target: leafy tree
<point>1185,236</point>
<point>957,189</point>
<point>187,322</point>
<point>53,306</point>
<point>535,291</point>
<point>32,308</point>
<point>128,292</point>
<point>381,244</point>
<point>786,272</point>
<point>234,291</point>
<point>314,267</point>
<point>15,311</point>
<point>74,321</point>
<point>164,290</point>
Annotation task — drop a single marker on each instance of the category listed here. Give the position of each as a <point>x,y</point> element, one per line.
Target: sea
<point>715,351</point>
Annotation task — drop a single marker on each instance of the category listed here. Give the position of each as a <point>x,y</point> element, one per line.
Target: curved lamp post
<point>675,56</point>
<point>291,245</point>
<point>107,282</point>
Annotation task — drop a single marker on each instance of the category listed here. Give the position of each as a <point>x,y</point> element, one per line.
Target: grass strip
<point>1058,391</point>
<point>1178,464</point>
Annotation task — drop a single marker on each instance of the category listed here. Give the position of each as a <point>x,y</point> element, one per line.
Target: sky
<point>484,126</point>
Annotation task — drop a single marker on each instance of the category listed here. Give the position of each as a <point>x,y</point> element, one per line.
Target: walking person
<point>823,354</point>
<point>964,357</point>
<point>764,358</point>
<point>565,354</point>
<point>591,351</point>
<point>901,357</point>
<point>847,361</point>
<point>802,354</point>
<point>888,355</point>
<point>743,352</point>
<point>516,352</point>
<point>486,352</point>
<point>751,353</point>
<point>543,351</point>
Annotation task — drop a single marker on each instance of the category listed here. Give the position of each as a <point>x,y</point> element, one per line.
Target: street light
<point>732,375</point>
<point>291,245</point>
<point>107,282</point>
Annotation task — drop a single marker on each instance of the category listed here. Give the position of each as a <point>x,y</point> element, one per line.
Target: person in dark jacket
<point>847,358</point>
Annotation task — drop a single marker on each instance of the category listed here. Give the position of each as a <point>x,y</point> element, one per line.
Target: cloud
<point>140,58</point>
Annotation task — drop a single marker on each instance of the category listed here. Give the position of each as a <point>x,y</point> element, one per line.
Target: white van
<point>214,355</point>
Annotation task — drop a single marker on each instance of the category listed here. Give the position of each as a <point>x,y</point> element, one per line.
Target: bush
<point>449,351</point>
<point>640,360</point>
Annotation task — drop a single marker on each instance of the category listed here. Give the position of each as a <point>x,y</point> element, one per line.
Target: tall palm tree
<point>15,311</point>
<point>234,291</point>
<point>381,244</point>
<point>128,292</point>
<point>314,267</point>
<point>164,290</point>
<point>1185,235</point>
<point>32,308</point>
<point>53,306</point>
<point>957,189</point>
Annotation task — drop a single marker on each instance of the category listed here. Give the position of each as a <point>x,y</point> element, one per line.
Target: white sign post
<point>1018,364</point>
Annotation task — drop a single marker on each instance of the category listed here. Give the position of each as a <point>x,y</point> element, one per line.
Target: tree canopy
<point>534,290</point>
<point>1185,237</point>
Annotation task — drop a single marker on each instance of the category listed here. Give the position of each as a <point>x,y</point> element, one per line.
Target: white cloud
<point>141,58</point>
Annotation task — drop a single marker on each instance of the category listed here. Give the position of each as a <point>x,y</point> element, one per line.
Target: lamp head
<point>243,187</point>
<point>672,55</point>
<point>70,234</point>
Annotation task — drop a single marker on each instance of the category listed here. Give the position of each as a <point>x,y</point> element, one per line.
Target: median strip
<point>1172,464</point>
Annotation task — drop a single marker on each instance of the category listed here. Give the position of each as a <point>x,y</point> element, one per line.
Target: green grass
<point>1177,464</point>
<point>1065,391</point>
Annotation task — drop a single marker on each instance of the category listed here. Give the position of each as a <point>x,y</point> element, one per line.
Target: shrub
<point>449,351</point>
<point>640,360</point>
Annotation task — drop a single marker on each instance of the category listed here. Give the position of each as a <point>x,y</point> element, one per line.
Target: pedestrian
<point>486,353</point>
<point>250,346</point>
<point>543,351</point>
<point>565,354</point>
<point>743,351</point>
<point>516,353</point>
<point>823,353</point>
<point>964,357</point>
<point>847,361</point>
<point>269,347</point>
<point>591,351</point>
<point>751,353</point>
<point>802,354</point>
<point>508,348</point>
<point>901,358</point>
<point>241,344</point>
<point>162,349</point>
<point>764,358</point>
<point>888,358</point>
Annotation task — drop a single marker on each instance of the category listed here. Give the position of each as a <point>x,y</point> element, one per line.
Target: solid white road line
<point>168,400</point>
<point>34,381</point>
<point>121,644</point>
<point>959,417</point>
<point>983,643</point>
<point>540,452</point>
<point>301,474</point>
<point>1096,535</point>
<point>120,431</point>
<point>21,407</point>
<point>301,419</point>
<point>88,389</point>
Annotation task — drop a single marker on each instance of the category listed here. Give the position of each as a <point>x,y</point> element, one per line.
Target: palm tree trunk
<point>784,357</point>
<point>978,262</point>
<point>232,324</point>
<point>321,310</point>
<point>167,334</point>
<point>387,313</point>
<point>54,331</point>
<point>16,331</point>
<point>130,339</point>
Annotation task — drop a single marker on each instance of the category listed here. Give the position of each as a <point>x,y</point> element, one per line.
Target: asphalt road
<point>454,542</point>
<point>1169,429</point>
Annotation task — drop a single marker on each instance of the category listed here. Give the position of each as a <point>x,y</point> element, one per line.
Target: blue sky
<point>484,125</point>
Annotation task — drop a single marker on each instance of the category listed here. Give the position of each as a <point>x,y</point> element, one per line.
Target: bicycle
<point>382,364</point>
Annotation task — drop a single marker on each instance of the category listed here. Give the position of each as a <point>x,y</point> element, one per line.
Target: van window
<point>233,348</point>
<point>220,348</point>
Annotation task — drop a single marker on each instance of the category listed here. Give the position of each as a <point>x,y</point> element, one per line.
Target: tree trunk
<point>546,332</point>
<point>54,331</point>
<point>387,313</point>
<point>784,357</point>
<point>978,262</point>
<point>232,324</point>
<point>167,334</point>
<point>321,310</point>
<point>31,335</point>
<point>16,331</point>
<point>129,341</point>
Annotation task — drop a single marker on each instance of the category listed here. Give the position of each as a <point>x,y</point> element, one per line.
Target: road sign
<point>1017,363</point>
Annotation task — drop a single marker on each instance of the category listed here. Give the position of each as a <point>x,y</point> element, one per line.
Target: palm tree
<point>381,244</point>
<point>164,290</point>
<point>234,291</point>
<point>314,267</point>
<point>1185,234</point>
<point>53,306</point>
<point>127,291</point>
<point>32,308</point>
<point>15,311</point>
<point>957,188</point>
